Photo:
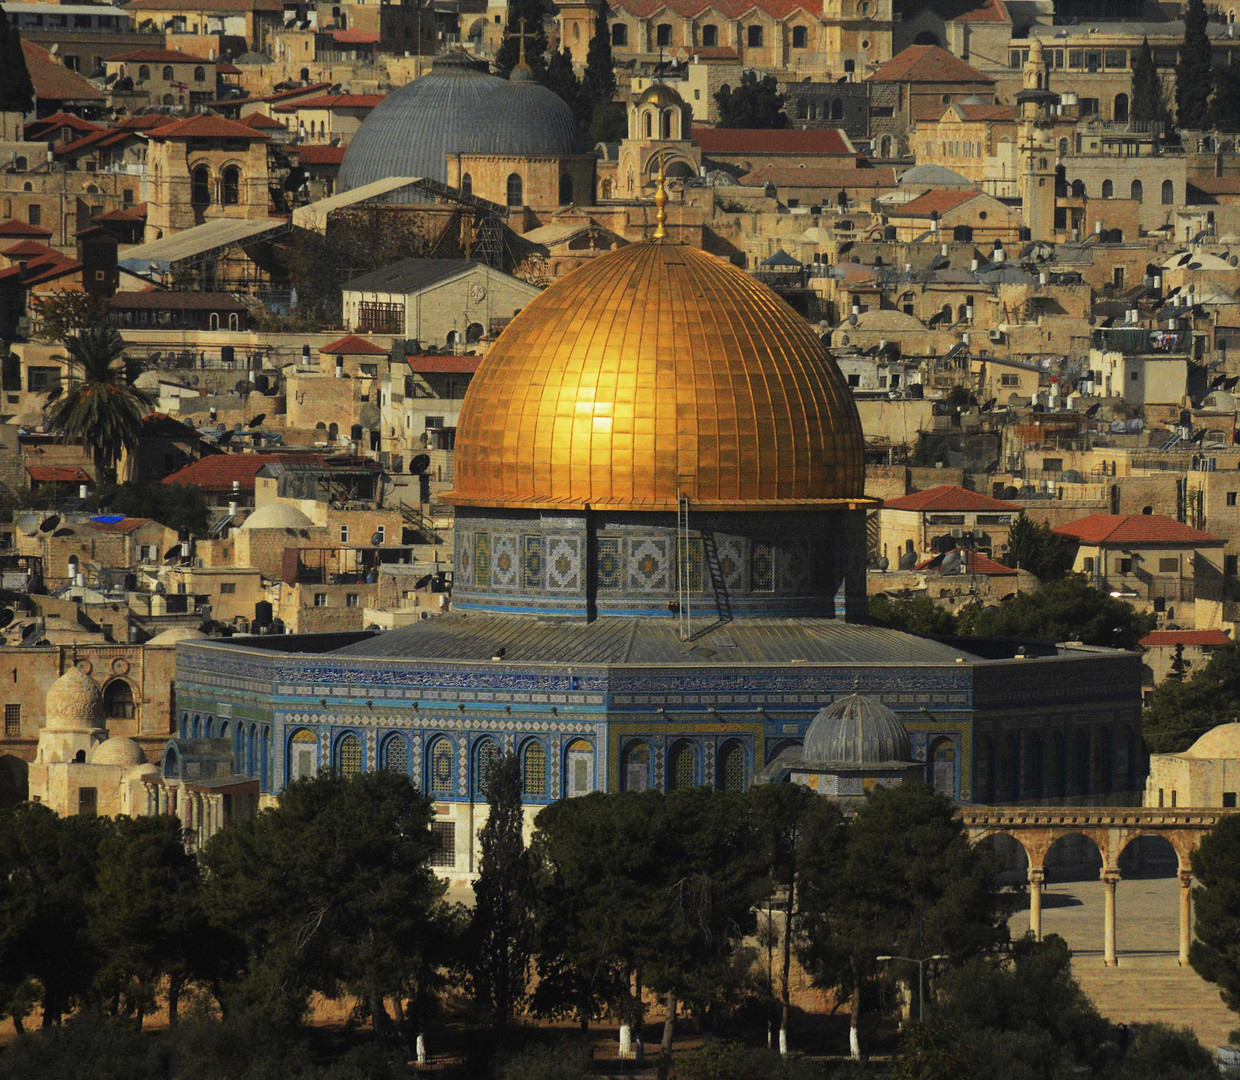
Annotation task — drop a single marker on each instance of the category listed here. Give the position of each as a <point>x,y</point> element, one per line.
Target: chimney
<point>1042,278</point>
<point>81,491</point>
<point>973,266</point>
<point>232,509</point>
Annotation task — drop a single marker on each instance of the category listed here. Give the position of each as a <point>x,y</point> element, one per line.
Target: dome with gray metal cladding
<point>459,108</point>
<point>856,731</point>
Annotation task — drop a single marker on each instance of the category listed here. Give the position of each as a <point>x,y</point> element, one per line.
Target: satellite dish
<point>908,560</point>
<point>224,438</point>
<point>951,560</point>
<point>257,420</point>
<point>376,539</point>
<point>419,464</point>
<point>160,588</point>
<point>6,617</point>
<point>172,553</point>
<point>63,532</point>
<point>884,563</point>
<point>49,524</point>
<point>27,523</point>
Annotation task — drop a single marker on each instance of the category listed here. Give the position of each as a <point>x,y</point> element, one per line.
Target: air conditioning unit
<point>995,335</point>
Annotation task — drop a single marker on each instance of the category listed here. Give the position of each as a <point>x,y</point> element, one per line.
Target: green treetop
<point>1193,74</point>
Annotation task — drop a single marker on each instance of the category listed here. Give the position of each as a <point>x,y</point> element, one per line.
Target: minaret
<point>1037,146</point>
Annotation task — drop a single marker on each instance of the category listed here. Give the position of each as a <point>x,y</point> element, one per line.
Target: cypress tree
<point>599,78</point>
<point>1148,101</point>
<point>1193,75</point>
<point>16,89</point>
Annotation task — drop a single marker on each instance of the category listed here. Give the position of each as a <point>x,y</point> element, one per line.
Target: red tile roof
<point>58,120</point>
<point>226,68</point>
<point>947,498</point>
<point>58,474</point>
<point>320,155</point>
<point>260,121</point>
<point>447,365</point>
<point>1161,639</point>
<point>928,64</point>
<point>991,11</point>
<point>824,141</point>
<point>156,56</point>
<point>729,9</point>
<point>125,525</point>
<point>105,137</point>
<point>53,81</point>
<point>28,248</point>
<point>333,101</point>
<point>352,345</point>
<point>137,212</point>
<point>50,268</point>
<point>974,562</point>
<point>933,202</point>
<point>217,472</point>
<point>354,37</point>
<point>297,91</point>
<point>13,227</point>
<point>205,126</point>
<point>1114,530</point>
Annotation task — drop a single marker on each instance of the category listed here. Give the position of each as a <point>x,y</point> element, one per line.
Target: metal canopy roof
<point>191,243</point>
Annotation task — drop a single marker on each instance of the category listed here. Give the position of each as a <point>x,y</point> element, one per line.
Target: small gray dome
<point>856,731</point>
<point>934,176</point>
<point>459,108</point>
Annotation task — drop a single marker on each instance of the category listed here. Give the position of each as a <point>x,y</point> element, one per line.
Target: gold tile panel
<point>654,368</point>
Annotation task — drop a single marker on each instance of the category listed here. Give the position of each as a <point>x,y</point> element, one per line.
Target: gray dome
<point>932,175</point>
<point>457,109</point>
<point>856,731</point>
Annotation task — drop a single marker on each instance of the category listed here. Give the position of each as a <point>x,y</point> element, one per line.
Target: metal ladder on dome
<point>710,555</point>
<point>684,615</point>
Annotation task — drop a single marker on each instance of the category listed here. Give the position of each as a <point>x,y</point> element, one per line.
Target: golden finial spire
<point>521,71</point>
<point>660,202</point>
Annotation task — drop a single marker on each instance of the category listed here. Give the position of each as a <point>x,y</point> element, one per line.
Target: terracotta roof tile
<point>137,212</point>
<point>58,120</point>
<point>825,141</point>
<point>156,56</point>
<point>1161,639</point>
<point>448,365</point>
<point>333,101</point>
<point>352,345</point>
<point>52,80</point>
<point>928,64</point>
<point>206,126</point>
<point>729,9</point>
<point>949,499</point>
<point>1113,530</point>
<point>992,11</point>
<point>320,155</point>
<point>13,227</point>
<point>217,472</point>
<point>58,474</point>
<point>932,202</point>
<point>354,37</point>
<point>28,248</point>
<point>262,122</point>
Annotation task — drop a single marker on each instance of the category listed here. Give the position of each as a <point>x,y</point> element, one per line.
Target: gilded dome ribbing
<point>653,370</point>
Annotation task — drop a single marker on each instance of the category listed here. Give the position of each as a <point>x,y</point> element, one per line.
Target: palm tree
<point>102,408</point>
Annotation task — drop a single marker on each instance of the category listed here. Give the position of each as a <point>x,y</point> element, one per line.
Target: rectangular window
<point>1173,794</point>
<point>1160,796</point>
<point>1169,566</point>
<point>377,318</point>
<point>350,599</point>
<point>663,34</point>
<point>344,534</point>
<point>381,533</point>
<point>1009,380</point>
<point>1117,59</point>
<point>1229,799</point>
<point>1087,565</point>
<point>443,833</point>
<point>800,37</point>
<point>1231,498</point>
<point>34,214</point>
<point>1124,566</point>
<point>320,599</point>
<point>12,721</point>
<point>1117,277</point>
<point>42,379</point>
<point>228,588</point>
<point>369,371</point>
<point>88,802</point>
<point>753,37</point>
<point>1052,464</point>
<point>1231,565</point>
<point>1076,58</point>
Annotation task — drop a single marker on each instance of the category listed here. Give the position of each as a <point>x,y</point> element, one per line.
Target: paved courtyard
<point>1149,984</point>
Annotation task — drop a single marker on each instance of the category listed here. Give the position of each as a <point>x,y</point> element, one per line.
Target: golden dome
<point>661,95</point>
<point>654,369</point>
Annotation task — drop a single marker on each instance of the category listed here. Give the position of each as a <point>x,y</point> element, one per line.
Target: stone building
<point>202,169</point>
<point>1206,774</point>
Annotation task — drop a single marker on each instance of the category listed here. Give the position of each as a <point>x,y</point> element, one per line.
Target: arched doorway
<point>14,788</point>
<point>941,767</point>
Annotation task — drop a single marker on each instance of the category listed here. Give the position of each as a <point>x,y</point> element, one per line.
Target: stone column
<point>1110,878</point>
<point>1037,875</point>
<point>1186,914</point>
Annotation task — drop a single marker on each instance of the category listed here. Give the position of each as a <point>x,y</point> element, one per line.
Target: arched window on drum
<point>579,768</point>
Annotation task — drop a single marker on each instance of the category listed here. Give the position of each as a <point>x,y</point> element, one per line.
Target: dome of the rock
<point>654,371</point>
<point>457,109</point>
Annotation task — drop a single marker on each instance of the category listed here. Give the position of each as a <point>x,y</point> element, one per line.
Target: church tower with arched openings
<point>1036,116</point>
<point>660,128</point>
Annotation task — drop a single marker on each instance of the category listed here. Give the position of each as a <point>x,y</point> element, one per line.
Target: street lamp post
<point>921,977</point>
